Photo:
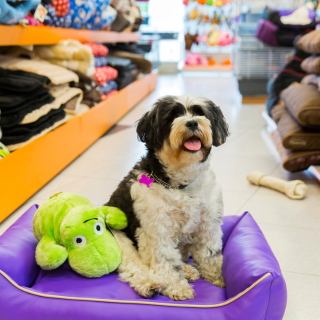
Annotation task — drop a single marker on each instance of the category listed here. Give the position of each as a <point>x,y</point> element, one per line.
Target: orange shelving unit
<point>26,170</point>
<point>18,35</point>
<point>215,68</point>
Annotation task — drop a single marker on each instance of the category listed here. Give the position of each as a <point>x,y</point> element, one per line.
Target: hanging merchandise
<point>210,25</point>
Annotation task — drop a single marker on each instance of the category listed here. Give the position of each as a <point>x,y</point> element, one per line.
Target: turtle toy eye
<point>80,241</point>
<point>98,228</point>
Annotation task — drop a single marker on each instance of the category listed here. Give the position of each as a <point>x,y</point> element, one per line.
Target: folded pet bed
<point>294,137</point>
<point>266,32</point>
<point>303,102</point>
<point>311,65</point>
<point>65,50</point>
<point>56,74</point>
<point>100,62</point>
<point>98,50</point>
<point>293,161</point>
<point>54,19</point>
<point>310,42</point>
<point>89,86</point>
<point>255,288</point>
<point>109,86</point>
<point>105,74</point>
<point>312,79</point>
<point>292,72</point>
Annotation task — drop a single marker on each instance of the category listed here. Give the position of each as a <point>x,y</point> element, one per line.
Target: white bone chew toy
<point>295,189</point>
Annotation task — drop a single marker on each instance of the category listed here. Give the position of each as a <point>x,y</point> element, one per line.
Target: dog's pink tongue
<point>193,144</point>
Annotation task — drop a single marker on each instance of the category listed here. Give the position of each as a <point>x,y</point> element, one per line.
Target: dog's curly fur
<point>165,225</point>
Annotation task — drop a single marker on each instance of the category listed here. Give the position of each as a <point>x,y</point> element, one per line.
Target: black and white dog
<point>180,212</point>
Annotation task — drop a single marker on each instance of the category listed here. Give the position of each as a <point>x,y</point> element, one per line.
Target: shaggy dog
<point>180,212</point>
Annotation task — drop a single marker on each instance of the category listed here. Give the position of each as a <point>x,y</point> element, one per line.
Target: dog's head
<point>182,130</point>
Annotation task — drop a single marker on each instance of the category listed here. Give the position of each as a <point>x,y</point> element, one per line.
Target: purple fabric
<point>266,32</point>
<point>247,257</point>
<point>17,250</point>
<point>284,13</point>
<point>312,16</point>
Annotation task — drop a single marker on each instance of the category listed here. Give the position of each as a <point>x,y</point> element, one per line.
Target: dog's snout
<point>192,125</point>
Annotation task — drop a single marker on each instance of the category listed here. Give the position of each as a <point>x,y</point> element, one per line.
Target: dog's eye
<point>80,241</point>
<point>98,228</point>
<point>197,110</point>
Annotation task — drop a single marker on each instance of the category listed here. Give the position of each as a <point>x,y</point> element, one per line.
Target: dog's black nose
<point>192,125</point>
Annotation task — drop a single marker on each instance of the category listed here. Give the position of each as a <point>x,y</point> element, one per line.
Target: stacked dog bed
<point>298,113</point>
<point>89,61</point>
<point>280,27</point>
<point>291,72</point>
<point>70,54</point>
<point>130,62</point>
<point>104,75</point>
<point>35,98</point>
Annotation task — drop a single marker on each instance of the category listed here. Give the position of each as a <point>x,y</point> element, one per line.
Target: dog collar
<point>167,185</point>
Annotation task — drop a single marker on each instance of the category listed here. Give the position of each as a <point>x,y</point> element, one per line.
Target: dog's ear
<point>219,126</point>
<point>148,132</point>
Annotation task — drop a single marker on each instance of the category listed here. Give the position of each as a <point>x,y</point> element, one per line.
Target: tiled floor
<point>292,228</point>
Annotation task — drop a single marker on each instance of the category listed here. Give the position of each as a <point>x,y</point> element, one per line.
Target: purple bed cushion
<point>255,288</point>
<point>266,32</point>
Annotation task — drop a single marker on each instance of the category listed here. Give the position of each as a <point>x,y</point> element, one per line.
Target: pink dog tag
<point>144,179</point>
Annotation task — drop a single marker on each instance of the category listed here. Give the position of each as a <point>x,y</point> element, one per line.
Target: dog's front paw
<point>191,273</point>
<point>212,272</point>
<point>147,285</point>
<point>151,286</point>
<point>218,281</point>
<point>179,292</point>
<point>150,289</point>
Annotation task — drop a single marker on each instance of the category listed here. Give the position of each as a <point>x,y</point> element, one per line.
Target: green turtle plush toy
<point>69,227</point>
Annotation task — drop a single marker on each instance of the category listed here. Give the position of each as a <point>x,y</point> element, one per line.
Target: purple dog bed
<point>255,288</point>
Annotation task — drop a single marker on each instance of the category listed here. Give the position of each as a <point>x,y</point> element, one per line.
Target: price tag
<point>40,13</point>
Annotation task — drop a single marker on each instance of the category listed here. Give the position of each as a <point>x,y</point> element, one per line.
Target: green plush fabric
<point>69,227</point>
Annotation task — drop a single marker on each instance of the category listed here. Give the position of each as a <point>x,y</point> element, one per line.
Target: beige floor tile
<point>118,169</point>
<point>297,249</point>
<point>5,224</point>
<point>98,191</point>
<point>232,171</point>
<point>272,207</point>
<point>303,297</point>
<point>116,146</point>
<point>84,165</point>
<point>57,182</point>
<point>234,201</point>
<point>255,141</point>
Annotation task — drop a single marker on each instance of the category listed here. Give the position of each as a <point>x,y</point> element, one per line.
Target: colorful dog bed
<point>255,288</point>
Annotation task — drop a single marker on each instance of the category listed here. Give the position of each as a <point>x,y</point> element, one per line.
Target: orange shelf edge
<point>28,169</point>
<point>31,35</point>
<point>217,68</point>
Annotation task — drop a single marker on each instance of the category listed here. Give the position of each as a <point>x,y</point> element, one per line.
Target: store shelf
<point>217,68</point>
<point>29,168</point>
<point>18,35</point>
<point>254,99</point>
